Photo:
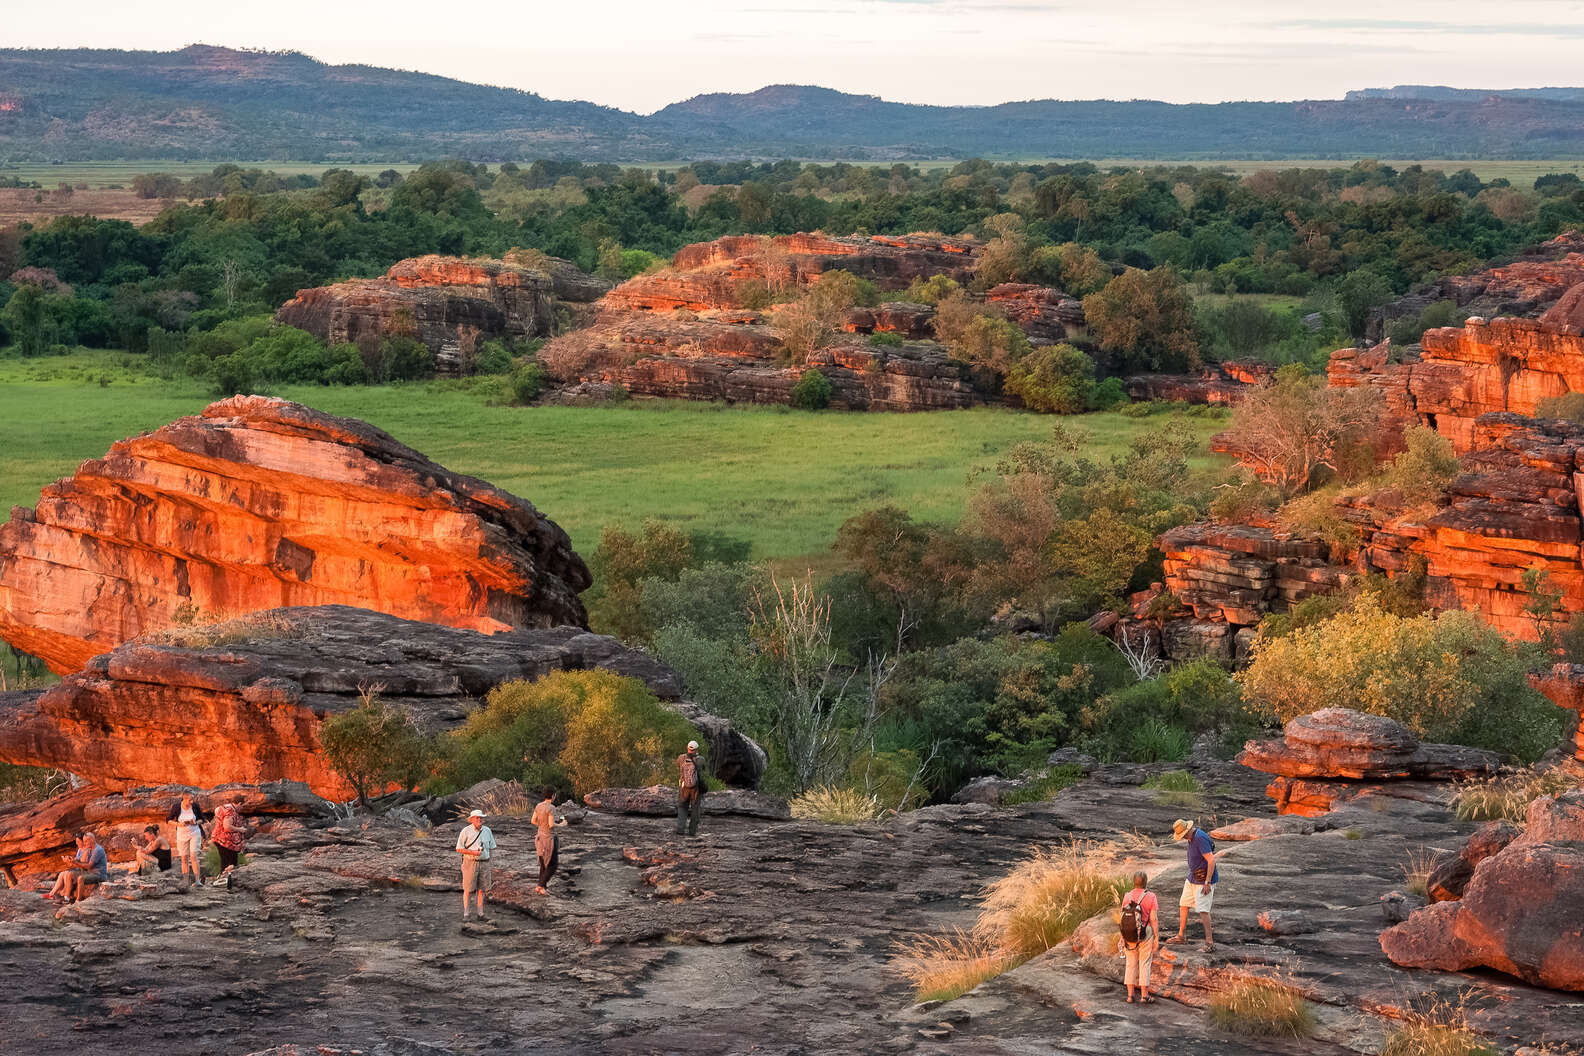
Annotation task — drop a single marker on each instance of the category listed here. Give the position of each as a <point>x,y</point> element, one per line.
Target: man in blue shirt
<point>89,866</point>
<point>1198,893</point>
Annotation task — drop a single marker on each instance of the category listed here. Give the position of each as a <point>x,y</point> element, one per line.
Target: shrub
<point>30,784</point>
<point>574,730</point>
<point>812,391</point>
<point>1176,788</point>
<point>621,562</point>
<point>527,383</point>
<point>945,968</point>
<point>1045,897</point>
<point>1146,320</point>
<point>1508,795</point>
<point>978,336</point>
<point>374,745</point>
<point>1155,741</point>
<point>801,330</point>
<point>493,358</point>
<point>1449,678</point>
<point>886,340</point>
<point>1045,786</point>
<point>836,806</point>
<point>1264,1008</point>
<point>892,778</point>
<point>1424,468</point>
<point>1058,379</point>
<point>406,358</point>
<point>932,290</point>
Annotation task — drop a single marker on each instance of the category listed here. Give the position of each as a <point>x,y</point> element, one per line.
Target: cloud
<point>1395,25</point>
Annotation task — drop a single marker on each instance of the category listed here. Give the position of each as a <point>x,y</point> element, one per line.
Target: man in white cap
<point>1198,893</point>
<point>690,790</point>
<point>475,843</point>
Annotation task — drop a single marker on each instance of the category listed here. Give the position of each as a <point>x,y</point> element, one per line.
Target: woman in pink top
<point>1141,953</point>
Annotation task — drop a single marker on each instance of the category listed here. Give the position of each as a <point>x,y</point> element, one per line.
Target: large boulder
<point>1343,743</point>
<point>1521,913</point>
<point>259,503</point>
<point>1450,877</point>
<point>245,705</point>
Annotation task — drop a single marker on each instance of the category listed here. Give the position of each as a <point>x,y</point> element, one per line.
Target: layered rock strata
<point>191,711</point>
<point>1522,911</point>
<point>1220,384</point>
<point>448,303</point>
<point>259,503</point>
<point>688,331</point>
<point>1563,685</point>
<point>1326,756</point>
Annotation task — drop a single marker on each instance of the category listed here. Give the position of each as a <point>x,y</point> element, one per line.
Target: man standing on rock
<point>475,843</point>
<point>690,790</point>
<point>1198,891</point>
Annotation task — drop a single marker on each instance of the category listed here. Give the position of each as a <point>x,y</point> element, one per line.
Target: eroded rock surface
<point>256,702</point>
<point>451,304</point>
<point>259,503</point>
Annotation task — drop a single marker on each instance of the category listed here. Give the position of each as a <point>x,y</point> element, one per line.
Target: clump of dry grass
<point>510,800</point>
<point>836,806</point>
<point>1040,902</point>
<point>1263,1007</point>
<point>1441,1030</point>
<point>195,630</point>
<point>943,968</point>
<point>1416,869</point>
<point>1507,796</point>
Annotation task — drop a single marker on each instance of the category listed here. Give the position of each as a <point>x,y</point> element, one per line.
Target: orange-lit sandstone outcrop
<point>259,503</point>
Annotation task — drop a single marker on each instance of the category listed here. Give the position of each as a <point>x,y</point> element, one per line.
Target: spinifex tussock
<point>945,967</point>
<point>1442,1029</point>
<point>1262,1006</point>
<point>836,806</point>
<point>1508,795</point>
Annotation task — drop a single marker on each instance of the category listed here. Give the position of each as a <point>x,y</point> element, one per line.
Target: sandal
<point>1147,1000</point>
<point>1130,999</point>
<point>1176,940</point>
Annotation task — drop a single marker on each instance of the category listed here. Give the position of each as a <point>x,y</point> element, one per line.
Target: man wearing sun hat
<point>475,843</point>
<point>1198,893</point>
<point>690,790</point>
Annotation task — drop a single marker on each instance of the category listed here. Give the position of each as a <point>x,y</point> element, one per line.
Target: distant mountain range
<point>209,103</point>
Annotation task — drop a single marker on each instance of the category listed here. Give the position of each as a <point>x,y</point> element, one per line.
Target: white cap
<point>476,814</point>
<point>692,745</point>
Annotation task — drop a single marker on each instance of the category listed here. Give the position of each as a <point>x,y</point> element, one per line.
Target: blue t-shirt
<point>96,862</point>
<point>1199,845</point>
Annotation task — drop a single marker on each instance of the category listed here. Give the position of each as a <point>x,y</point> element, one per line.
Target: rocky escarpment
<point>1515,507</point>
<point>1563,685</point>
<point>448,303</point>
<point>259,503</point>
<point>248,707</point>
<point>687,331</point>
<point>1330,756</point>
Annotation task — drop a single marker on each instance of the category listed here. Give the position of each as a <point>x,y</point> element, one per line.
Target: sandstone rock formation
<point>1345,747</point>
<point>1450,876</point>
<point>1564,686</point>
<point>1522,911</point>
<point>259,503</point>
<point>448,303</point>
<point>686,331</point>
<point>247,709</point>
<point>660,801</point>
<point>1220,384</point>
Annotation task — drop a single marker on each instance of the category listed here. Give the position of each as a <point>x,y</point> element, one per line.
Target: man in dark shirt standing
<point>1198,893</point>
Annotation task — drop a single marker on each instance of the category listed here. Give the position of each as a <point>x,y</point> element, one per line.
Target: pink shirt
<point>1148,902</point>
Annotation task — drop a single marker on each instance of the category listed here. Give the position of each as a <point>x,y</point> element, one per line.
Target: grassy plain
<point>782,479</point>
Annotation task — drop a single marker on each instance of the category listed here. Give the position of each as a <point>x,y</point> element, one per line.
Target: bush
<point>1449,678</point>
<point>1155,741</point>
<point>1146,320</point>
<point>1176,788</point>
<point>886,340</point>
<point>1569,406</point>
<point>1155,720</point>
<point>527,383</point>
<point>1045,786</point>
<point>932,290</point>
<point>1262,1008</point>
<point>1058,379</point>
<point>812,391</point>
<point>1509,795</point>
<point>836,806</point>
<point>374,745</point>
<point>1425,467</point>
<point>574,730</point>
<point>406,359</point>
<point>493,357</point>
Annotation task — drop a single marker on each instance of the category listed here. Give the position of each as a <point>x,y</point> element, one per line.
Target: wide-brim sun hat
<point>692,745</point>
<point>476,814</point>
<point>1181,828</point>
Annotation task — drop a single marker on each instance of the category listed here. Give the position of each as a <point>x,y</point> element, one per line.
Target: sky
<point>641,54</point>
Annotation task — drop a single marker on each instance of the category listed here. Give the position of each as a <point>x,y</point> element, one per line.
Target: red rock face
<point>182,711</point>
<point>684,331</point>
<point>1564,687</point>
<point>448,303</point>
<point>259,503</point>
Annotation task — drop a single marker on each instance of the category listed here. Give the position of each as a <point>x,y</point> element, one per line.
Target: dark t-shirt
<point>162,855</point>
<point>1199,845</point>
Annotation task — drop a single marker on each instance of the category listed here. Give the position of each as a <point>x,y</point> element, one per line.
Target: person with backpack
<point>691,786</point>
<point>1198,893</point>
<point>1140,925</point>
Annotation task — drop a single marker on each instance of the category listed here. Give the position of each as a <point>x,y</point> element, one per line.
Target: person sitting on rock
<point>152,850</point>
<point>1198,891</point>
<point>189,818</point>
<point>89,867</point>
<point>546,845</point>
<point>1144,924</point>
<point>75,861</point>
<point>690,790</point>
<point>229,836</point>
<point>475,843</point>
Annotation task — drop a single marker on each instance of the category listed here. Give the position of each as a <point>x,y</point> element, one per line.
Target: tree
<point>1145,319</point>
<point>621,562</point>
<point>30,316</point>
<point>977,335</point>
<point>1290,429</point>
<point>374,745</point>
<point>1058,379</point>
<point>1006,253</point>
<point>812,391</point>
<point>1358,293</point>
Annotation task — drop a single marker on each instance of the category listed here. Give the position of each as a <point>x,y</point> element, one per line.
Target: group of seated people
<point>89,866</point>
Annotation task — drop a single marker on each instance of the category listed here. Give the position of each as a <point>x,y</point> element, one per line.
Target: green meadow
<point>783,480</point>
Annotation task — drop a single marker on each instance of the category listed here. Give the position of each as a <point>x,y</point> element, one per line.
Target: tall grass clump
<point>1264,1008</point>
<point>1442,1030</point>
<point>943,968</point>
<point>1417,868</point>
<point>1176,788</point>
<point>1040,902</point>
<point>1045,786</point>
<point>832,805</point>
<point>1507,796</point>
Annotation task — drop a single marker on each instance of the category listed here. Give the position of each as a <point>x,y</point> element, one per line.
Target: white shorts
<point>1194,897</point>
<point>189,840</point>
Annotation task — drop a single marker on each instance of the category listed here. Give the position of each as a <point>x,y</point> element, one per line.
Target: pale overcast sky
<point>642,54</point>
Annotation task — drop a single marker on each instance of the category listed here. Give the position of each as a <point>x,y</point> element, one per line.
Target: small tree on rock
<point>374,745</point>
